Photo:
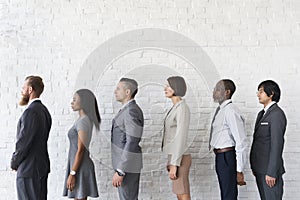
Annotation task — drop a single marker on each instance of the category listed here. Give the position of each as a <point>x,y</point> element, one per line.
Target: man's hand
<point>270,181</point>
<point>240,179</point>
<point>71,182</point>
<point>117,180</point>
<point>172,172</point>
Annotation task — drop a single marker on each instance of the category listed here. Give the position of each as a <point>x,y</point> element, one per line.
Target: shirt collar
<point>268,106</point>
<point>127,103</point>
<point>32,100</point>
<point>225,103</point>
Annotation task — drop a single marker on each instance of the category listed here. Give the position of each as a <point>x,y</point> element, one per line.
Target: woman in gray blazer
<point>175,134</point>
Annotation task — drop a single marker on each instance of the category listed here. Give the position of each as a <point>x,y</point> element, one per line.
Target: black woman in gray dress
<point>80,181</point>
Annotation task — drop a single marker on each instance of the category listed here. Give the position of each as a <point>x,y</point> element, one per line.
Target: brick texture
<point>91,44</point>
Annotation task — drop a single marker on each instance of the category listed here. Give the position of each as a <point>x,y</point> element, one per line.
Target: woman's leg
<point>183,196</point>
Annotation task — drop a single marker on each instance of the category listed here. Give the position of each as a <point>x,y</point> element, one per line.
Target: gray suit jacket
<point>268,142</point>
<point>175,132</point>
<point>31,158</point>
<point>126,133</point>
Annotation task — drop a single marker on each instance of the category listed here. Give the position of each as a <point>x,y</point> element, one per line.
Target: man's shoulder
<point>232,108</point>
<point>276,112</point>
<point>133,106</point>
<point>36,107</point>
<point>134,111</point>
<point>276,108</point>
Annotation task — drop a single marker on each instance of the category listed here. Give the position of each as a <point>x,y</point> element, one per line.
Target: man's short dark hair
<point>271,88</point>
<point>130,84</point>
<point>36,83</point>
<point>229,85</point>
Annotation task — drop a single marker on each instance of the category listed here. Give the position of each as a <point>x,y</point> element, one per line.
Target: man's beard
<point>24,100</point>
<point>220,99</point>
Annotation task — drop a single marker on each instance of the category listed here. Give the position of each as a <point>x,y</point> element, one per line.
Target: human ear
<point>127,91</point>
<point>30,89</point>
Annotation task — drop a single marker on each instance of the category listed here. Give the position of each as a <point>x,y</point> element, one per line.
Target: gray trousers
<point>32,188</point>
<point>129,190</point>
<point>267,193</point>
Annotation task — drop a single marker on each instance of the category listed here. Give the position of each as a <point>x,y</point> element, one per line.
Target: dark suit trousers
<point>32,188</point>
<point>267,193</point>
<point>129,189</point>
<point>226,171</point>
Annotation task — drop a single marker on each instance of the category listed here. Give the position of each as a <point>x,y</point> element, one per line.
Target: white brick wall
<point>247,41</point>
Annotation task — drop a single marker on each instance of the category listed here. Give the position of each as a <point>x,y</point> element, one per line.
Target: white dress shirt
<point>32,100</point>
<point>228,130</point>
<point>268,106</point>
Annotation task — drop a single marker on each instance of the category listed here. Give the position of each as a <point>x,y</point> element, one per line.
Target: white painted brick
<point>248,41</point>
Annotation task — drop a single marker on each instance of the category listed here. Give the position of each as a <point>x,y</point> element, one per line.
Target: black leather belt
<point>224,150</point>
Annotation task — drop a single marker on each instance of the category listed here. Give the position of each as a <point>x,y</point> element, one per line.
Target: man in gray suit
<point>31,159</point>
<point>268,141</point>
<point>126,133</point>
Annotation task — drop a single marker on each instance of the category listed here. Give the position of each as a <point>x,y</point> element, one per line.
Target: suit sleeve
<point>179,142</point>
<point>131,153</point>
<point>277,130</point>
<point>25,136</point>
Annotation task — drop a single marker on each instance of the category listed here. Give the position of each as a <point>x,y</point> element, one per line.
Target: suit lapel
<point>172,110</point>
<point>259,118</point>
<point>269,111</point>
<point>123,109</point>
<point>265,115</point>
<point>169,113</point>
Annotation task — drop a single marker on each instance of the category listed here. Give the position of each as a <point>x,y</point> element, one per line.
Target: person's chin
<point>23,101</point>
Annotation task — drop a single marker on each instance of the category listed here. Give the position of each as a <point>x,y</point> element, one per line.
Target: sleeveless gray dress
<point>86,184</point>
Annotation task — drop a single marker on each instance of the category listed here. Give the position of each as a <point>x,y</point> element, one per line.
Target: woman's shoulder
<point>83,118</point>
<point>83,122</point>
<point>182,106</point>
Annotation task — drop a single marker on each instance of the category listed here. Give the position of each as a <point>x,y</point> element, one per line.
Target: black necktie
<point>211,127</point>
<point>261,115</point>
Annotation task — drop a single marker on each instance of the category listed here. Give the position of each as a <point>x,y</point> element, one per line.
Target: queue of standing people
<point>227,140</point>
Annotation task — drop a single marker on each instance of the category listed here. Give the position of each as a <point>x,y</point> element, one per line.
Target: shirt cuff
<point>120,171</point>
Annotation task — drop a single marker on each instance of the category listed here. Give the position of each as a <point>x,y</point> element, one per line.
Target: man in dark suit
<point>126,133</point>
<point>268,141</point>
<point>31,159</point>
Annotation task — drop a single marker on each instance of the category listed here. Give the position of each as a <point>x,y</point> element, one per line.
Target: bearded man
<point>31,159</point>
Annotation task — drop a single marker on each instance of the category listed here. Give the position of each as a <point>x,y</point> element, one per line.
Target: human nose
<point>259,93</point>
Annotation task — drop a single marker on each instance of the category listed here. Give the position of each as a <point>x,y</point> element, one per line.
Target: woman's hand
<point>71,182</point>
<point>172,172</point>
